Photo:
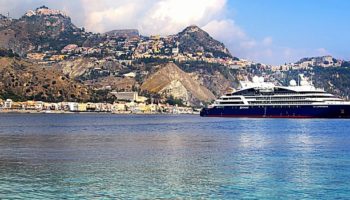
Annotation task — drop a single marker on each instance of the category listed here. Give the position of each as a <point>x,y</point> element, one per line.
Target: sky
<point>266,31</point>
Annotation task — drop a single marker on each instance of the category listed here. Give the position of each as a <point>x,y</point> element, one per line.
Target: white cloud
<point>249,44</point>
<point>110,18</point>
<point>151,16</point>
<point>170,16</point>
<point>228,32</point>
<point>240,43</point>
<point>267,41</point>
<point>322,51</point>
<point>225,29</point>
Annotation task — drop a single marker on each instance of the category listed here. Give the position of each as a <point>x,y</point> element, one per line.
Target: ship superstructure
<point>264,99</point>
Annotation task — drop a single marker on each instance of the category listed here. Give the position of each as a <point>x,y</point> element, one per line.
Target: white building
<point>129,96</point>
<point>131,75</point>
<point>8,104</point>
<point>175,51</point>
<point>73,106</point>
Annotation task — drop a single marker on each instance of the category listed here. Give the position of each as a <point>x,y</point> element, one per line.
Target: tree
<point>174,101</point>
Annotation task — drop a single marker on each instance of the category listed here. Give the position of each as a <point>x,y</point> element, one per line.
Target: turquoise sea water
<point>92,156</point>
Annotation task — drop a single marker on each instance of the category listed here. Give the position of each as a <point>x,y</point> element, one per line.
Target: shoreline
<point>69,112</point>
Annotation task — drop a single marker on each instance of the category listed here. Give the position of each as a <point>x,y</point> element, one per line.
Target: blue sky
<point>267,31</point>
<point>302,25</point>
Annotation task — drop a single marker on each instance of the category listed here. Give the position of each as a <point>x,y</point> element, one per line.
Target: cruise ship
<point>259,99</point>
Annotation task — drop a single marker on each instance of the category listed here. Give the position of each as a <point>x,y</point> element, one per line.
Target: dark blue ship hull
<point>300,111</point>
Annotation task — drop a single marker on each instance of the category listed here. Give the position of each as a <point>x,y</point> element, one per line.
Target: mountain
<point>22,80</point>
<point>126,33</point>
<point>195,40</point>
<point>4,21</point>
<point>67,63</point>
<point>40,30</point>
<point>170,80</point>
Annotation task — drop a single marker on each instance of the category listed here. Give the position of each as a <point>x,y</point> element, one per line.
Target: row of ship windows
<point>284,106</point>
<point>231,103</point>
<point>263,102</point>
<point>277,93</point>
<point>274,101</point>
<point>303,99</point>
<point>292,98</point>
<point>271,94</point>
<point>274,98</point>
<point>286,94</point>
<point>281,102</point>
<point>236,98</point>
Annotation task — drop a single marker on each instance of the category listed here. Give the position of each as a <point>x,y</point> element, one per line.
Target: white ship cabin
<point>259,93</point>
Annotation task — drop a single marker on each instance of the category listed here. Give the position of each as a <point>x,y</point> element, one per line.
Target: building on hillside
<point>324,61</point>
<point>57,57</point>
<point>130,74</point>
<point>36,56</point>
<point>90,107</point>
<point>69,48</point>
<point>306,64</point>
<point>175,51</point>
<point>29,105</point>
<point>8,104</point>
<point>141,99</point>
<point>51,106</point>
<point>143,108</point>
<point>125,62</point>
<point>129,96</point>
<point>328,59</point>
<point>39,105</point>
<point>125,96</point>
<point>72,106</point>
<point>103,107</point>
<point>153,108</point>
<point>155,37</point>
<point>234,66</point>
<point>119,107</point>
<point>184,110</point>
<point>82,107</point>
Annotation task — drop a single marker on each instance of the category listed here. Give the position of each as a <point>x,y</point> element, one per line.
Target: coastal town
<point>127,103</point>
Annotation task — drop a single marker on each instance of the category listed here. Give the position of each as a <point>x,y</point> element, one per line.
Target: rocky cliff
<point>170,80</point>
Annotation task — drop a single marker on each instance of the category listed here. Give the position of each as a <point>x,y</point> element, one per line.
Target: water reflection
<point>147,157</point>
